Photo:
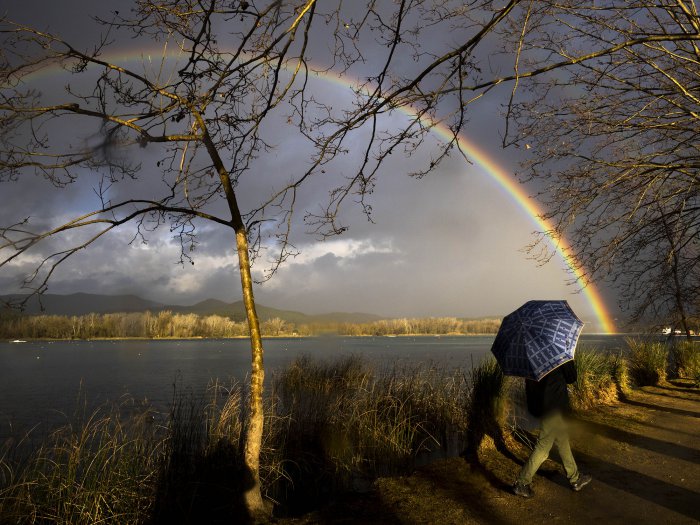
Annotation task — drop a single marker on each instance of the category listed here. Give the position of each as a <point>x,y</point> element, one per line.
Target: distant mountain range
<point>84,303</point>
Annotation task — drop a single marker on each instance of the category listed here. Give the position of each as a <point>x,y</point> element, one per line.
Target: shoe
<point>582,481</point>
<point>525,491</point>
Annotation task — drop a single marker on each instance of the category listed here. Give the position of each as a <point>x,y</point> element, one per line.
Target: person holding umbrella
<point>537,342</point>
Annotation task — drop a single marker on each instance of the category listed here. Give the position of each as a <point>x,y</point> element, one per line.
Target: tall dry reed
<point>349,421</point>
<point>99,470</point>
<point>487,406</point>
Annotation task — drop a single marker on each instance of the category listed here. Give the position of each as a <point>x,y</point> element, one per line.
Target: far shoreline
<point>237,337</point>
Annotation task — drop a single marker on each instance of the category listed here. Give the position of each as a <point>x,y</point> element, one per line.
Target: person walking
<point>548,399</point>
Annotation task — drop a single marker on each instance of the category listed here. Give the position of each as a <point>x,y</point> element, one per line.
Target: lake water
<point>41,382</point>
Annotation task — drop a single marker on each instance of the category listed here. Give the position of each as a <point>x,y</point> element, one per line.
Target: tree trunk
<point>252,496</point>
<point>253,438</point>
<point>678,295</point>
<point>677,282</point>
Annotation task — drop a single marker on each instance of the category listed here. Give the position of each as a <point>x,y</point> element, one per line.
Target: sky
<point>450,244</point>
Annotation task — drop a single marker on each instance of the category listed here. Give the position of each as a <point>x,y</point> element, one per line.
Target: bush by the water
<point>600,377</point>
<point>686,360</point>
<point>647,361</point>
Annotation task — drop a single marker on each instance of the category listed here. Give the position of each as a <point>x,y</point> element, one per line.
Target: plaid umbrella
<point>537,338</point>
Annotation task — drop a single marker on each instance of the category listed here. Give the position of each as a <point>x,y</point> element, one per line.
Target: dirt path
<point>643,453</point>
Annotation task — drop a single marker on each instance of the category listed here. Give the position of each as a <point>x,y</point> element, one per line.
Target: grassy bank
<point>331,427</point>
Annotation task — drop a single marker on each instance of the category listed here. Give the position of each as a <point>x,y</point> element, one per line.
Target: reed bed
<point>329,427</point>
<point>349,422</point>
<point>98,470</point>
<point>487,407</point>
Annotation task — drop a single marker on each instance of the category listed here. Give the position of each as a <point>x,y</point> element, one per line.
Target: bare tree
<point>613,140</point>
<point>660,282</point>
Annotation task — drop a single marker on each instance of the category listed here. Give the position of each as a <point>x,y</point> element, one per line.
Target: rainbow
<point>505,180</point>
<point>516,192</point>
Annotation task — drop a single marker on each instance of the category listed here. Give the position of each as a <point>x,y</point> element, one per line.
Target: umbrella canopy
<point>537,338</point>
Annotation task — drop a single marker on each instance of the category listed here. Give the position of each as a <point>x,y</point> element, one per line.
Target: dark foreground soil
<point>643,454</point>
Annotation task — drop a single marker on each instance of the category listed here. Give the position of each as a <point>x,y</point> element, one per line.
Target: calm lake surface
<point>43,383</point>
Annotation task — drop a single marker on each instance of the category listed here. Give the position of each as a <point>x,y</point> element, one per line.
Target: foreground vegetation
<point>167,324</point>
<point>331,426</point>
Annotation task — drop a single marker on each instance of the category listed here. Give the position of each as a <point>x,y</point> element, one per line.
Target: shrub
<point>598,377</point>
<point>686,360</point>
<point>648,360</point>
<point>487,406</point>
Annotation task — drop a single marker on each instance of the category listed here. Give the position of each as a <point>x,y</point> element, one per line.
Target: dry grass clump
<point>600,377</point>
<point>487,407</point>
<point>647,361</point>
<point>686,360</point>
<point>621,374</point>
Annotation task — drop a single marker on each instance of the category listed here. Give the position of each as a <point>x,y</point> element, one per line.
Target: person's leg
<point>564,449</point>
<point>548,429</point>
<point>576,479</point>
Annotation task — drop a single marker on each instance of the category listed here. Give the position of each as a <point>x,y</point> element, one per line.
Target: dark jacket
<point>550,393</point>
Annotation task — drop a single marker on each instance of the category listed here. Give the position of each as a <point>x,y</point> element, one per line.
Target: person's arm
<point>569,369</point>
<point>534,393</point>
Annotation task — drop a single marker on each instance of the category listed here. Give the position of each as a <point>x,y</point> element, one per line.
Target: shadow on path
<point>468,497</point>
<point>368,509</point>
<point>671,395</point>
<point>649,424</point>
<point>675,388</point>
<point>655,445</point>
<point>678,411</point>
<point>672,497</point>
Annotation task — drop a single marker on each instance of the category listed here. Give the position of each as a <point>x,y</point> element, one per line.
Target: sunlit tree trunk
<point>253,439</point>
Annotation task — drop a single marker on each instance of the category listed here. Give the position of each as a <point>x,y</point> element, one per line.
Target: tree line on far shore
<point>166,324</point>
